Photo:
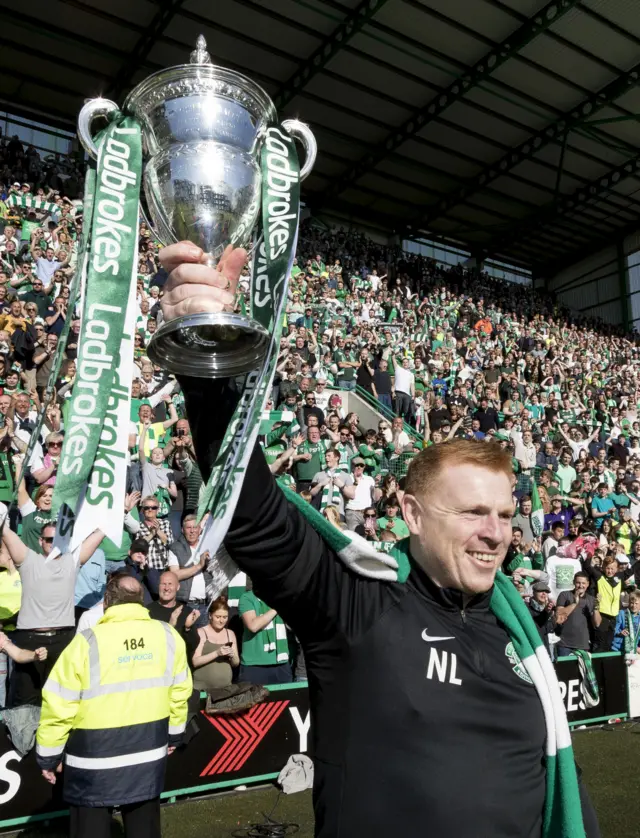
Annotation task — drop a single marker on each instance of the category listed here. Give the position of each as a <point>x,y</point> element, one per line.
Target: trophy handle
<point>300,131</point>
<point>92,109</point>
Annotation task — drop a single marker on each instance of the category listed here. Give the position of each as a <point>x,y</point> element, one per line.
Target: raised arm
<point>173,415</point>
<point>90,545</point>
<point>143,438</point>
<point>292,567</point>
<point>17,550</point>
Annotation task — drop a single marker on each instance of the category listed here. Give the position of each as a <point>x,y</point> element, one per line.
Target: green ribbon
<point>271,268</point>
<point>111,221</point>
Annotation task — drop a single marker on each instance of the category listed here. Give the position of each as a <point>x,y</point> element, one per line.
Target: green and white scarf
<point>562,816</point>
<point>632,640</point>
<point>588,681</point>
<point>28,202</point>
<point>236,587</point>
<point>276,639</point>
<point>331,494</point>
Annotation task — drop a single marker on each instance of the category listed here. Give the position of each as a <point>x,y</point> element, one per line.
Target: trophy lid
<point>200,76</point>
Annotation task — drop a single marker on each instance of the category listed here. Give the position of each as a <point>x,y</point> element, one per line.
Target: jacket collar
<point>448,598</point>
<point>125,612</point>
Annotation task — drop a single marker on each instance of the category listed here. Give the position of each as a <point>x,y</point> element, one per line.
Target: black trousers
<point>28,679</point>
<point>404,405</point>
<point>603,635</point>
<point>141,820</point>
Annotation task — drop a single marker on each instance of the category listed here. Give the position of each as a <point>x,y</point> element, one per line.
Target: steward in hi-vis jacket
<point>113,707</point>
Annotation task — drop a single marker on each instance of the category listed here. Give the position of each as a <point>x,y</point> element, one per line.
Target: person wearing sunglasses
<point>368,528</point>
<point>155,531</point>
<point>47,614</point>
<point>44,472</point>
<point>310,409</point>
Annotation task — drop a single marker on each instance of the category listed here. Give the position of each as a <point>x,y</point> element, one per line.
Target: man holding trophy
<point>403,739</point>
<point>435,708</point>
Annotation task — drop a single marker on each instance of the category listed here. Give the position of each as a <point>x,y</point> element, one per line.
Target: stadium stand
<point>386,351</point>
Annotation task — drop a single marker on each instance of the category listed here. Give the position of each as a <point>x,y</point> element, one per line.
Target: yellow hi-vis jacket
<point>115,700</point>
<point>609,596</point>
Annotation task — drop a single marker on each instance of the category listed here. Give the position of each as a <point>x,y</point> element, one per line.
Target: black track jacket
<point>423,723</point>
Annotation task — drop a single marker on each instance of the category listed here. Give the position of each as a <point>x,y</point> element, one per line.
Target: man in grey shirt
<point>46,616</point>
<point>577,612</point>
<point>523,519</point>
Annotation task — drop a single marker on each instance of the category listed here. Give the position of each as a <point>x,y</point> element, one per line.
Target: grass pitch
<point>610,759</point>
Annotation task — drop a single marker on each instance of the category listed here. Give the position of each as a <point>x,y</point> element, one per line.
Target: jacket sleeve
<point>179,692</point>
<point>619,627</point>
<point>291,567</point>
<point>61,701</point>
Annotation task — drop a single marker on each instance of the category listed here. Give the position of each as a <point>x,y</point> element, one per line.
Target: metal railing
<point>387,413</point>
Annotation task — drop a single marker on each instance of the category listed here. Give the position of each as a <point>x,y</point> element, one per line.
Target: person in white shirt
<point>89,618</point>
<point>366,494</point>
<point>189,566</point>
<point>578,443</point>
<point>561,570</point>
<point>322,394</point>
<point>405,390</point>
<point>398,436</point>
<point>525,450</point>
<point>552,542</point>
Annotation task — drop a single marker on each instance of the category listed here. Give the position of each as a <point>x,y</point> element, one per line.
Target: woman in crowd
<point>606,533</point>
<point>389,488</point>
<point>216,655</point>
<point>35,513</point>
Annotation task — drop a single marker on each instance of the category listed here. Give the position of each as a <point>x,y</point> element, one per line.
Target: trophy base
<point>209,345</point>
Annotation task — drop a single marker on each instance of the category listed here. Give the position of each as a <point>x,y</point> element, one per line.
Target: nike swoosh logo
<point>429,639</point>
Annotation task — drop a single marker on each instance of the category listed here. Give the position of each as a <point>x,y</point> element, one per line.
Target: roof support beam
<point>331,45</point>
<point>459,88</point>
<point>161,19</point>
<point>623,284</point>
<point>567,203</point>
<point>528,149</point>
<point>60,34</point>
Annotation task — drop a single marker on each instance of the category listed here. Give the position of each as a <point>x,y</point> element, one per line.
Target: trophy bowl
<point>202,132</point>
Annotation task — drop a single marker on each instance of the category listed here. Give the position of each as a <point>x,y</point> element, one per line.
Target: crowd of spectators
<point>439,352</point>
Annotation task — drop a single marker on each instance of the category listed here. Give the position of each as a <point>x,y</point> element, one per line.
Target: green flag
<point>537,512</point>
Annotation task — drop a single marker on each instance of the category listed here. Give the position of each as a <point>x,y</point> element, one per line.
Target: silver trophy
<point>202,133</point>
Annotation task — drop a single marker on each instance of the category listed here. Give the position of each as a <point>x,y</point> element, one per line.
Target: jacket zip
<point>478,657</point>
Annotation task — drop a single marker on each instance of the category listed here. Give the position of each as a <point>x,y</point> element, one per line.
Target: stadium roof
<point>507,125</point>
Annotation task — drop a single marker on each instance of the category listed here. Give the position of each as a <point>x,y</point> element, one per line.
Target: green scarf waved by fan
<point>562,816</point>
<point>537,512</point>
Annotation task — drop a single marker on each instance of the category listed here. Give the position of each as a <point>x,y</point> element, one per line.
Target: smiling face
<point>461,528</point>
<point>44,501</point>
<point>168,587</point>
<point>581,585</point>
